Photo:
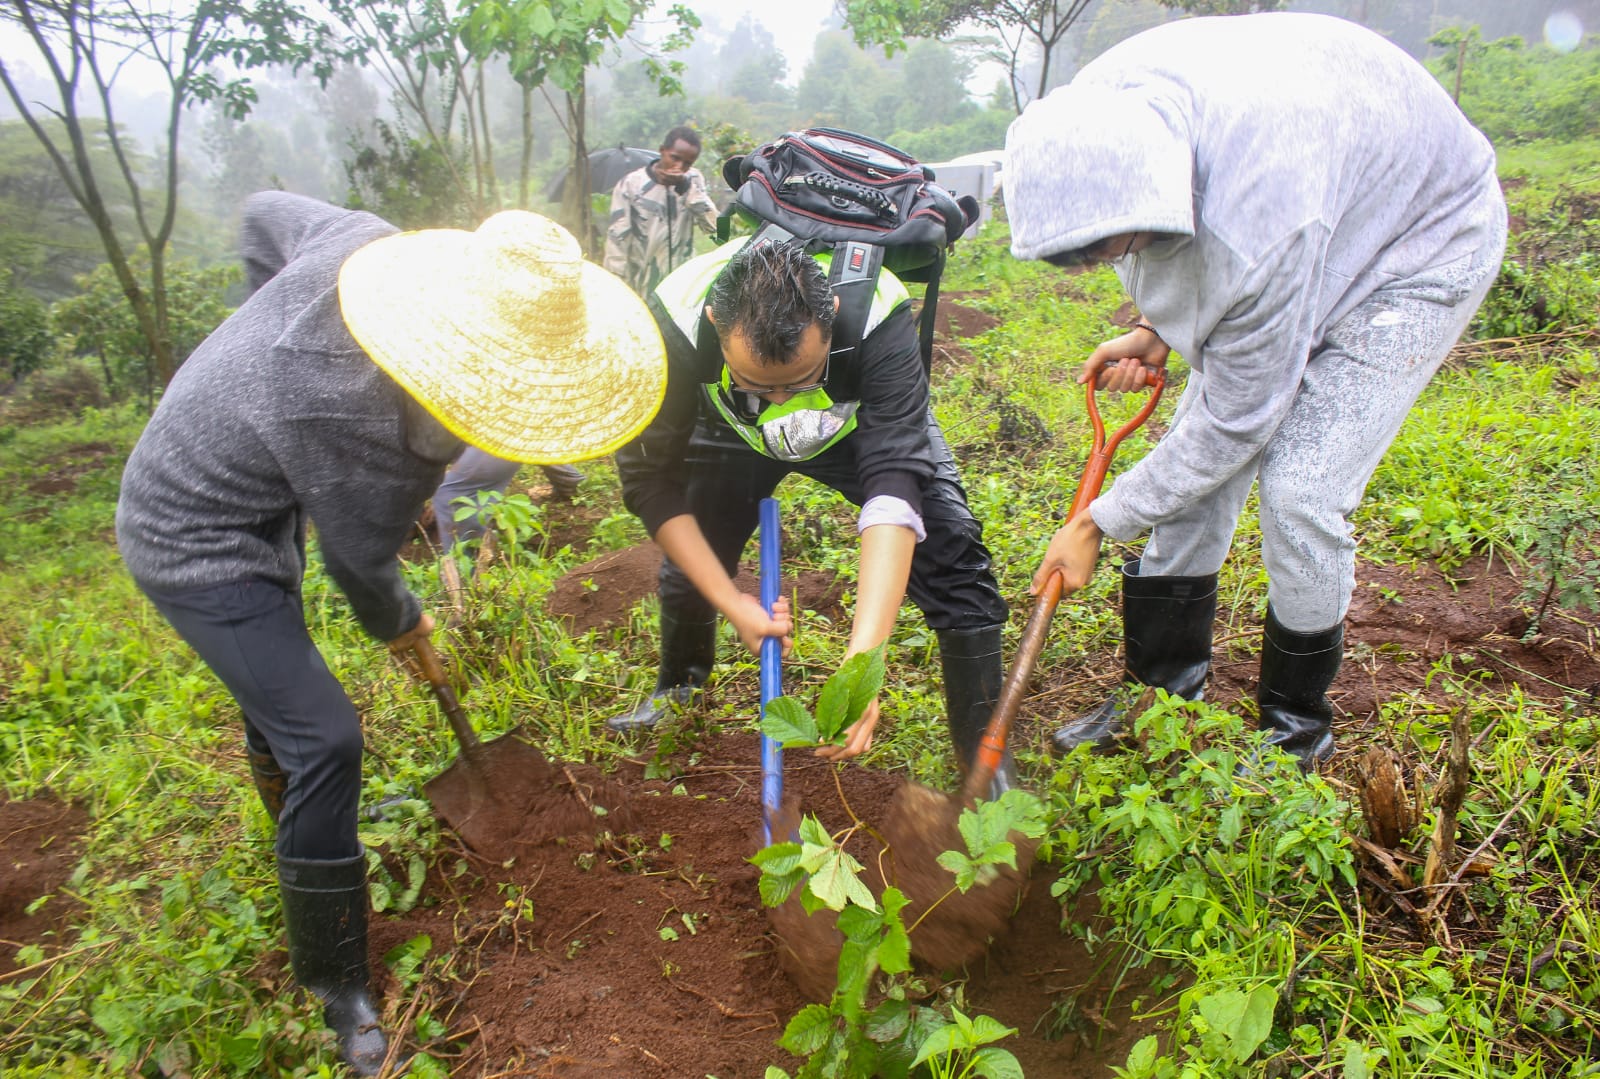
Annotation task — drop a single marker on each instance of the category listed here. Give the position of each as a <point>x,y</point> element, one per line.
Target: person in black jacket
<point>753,394</point>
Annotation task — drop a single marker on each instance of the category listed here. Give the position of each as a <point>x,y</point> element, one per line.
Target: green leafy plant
<point>1566,568</point>
<point>962,1048</point>
<point>868,1029</point>
<point>25,340</point>
<point>101,324</point>
<point>516,518</point>
<point>844,697</point>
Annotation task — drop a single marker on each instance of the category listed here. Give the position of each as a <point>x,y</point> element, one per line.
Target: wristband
<point>1143,325</point>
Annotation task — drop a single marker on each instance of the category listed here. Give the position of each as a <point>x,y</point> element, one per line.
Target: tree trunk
<point>161,325</point>
<point>527,148</point>
<point>575,199</point>
<point>492,182</point>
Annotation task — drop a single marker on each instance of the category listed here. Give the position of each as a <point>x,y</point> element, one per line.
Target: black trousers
<point>252,634</point>
<point>951,579</point>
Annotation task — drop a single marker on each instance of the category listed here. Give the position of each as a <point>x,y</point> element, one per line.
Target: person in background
<point>1298,209</point>
<point>654,212</point>
<point>362,362</point>
<point>753,394</point>
<point>476,472</point>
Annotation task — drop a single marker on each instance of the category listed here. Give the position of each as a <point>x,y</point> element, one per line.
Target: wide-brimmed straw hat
<point>508,337</point>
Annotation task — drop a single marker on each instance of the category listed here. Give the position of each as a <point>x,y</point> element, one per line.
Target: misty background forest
<point>116,238</point>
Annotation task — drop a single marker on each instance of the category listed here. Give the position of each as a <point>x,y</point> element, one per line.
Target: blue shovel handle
<point>771,670</point>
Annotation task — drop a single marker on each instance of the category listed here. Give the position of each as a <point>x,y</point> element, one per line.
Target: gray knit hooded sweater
<point>279,418</point>
<point>1301,164</point>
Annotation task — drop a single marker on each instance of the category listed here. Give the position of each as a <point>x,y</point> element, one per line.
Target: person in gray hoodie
<point>1298,209</point>
<point>362,362</point>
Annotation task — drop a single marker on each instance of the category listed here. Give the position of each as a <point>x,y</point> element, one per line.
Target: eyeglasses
<point>748,401</point>
<point>1080,257</point>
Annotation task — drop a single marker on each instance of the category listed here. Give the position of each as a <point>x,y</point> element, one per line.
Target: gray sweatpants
<point>1358,387</point>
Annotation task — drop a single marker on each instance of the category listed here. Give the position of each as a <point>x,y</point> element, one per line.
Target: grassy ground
<point>1249,897</point>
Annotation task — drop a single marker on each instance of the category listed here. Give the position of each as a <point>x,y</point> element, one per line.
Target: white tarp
<point>976,174</point>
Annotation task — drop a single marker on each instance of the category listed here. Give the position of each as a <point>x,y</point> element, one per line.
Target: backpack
<point>869,203</point>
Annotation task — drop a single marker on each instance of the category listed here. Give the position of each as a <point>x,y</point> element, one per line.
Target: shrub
<point>24,328</point>
<point>102,325</point>
<point>1514,92</point>
<point>1545,298</point>
<point>60,391</point>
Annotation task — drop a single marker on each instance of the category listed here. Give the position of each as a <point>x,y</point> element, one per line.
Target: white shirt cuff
<point>889,510</point>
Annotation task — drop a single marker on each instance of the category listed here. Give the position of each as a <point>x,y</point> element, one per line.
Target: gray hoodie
<point>1300,162</point>
<point>280,417</point>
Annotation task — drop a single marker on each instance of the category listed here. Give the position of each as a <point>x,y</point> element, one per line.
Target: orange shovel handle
<point>991,750</point>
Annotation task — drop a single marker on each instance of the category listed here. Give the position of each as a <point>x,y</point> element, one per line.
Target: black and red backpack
<point>869,203</point>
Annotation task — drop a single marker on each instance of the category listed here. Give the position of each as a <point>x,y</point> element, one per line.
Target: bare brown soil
<point>955,319</point>
<point>602,592</point>
<point>1403,623</point>
<point>648,952</point>
<point>39,845</point>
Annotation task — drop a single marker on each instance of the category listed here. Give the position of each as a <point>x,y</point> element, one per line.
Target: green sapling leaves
<point>986,830</point>
<point>844,697</point>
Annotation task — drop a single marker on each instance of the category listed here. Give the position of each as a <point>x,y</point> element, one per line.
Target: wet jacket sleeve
<point>1252,363</point>
<point>653,467</point>
<point>357,477</point>
<point>621,236</point>
<point>362,519</point>
<point>359,550</point>
<point>699,202</point>
<point>893,455</point>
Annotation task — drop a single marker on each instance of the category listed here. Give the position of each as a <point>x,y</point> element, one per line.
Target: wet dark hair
<point>770,292</point>
<point>683,132</point>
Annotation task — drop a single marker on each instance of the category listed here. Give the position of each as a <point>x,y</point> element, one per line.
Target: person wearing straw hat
<point>1300,210</point>
<point>361,363</point>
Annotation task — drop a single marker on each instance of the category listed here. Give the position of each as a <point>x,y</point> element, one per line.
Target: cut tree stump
<point>1384,802</point>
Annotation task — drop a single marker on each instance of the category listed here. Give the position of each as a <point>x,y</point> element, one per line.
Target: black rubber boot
<point>1296,671</point>
<point>973,675</point>
<point>1166,629</point>
<point>270,781</point>
<point>688,648</point>
<point>325,915</point>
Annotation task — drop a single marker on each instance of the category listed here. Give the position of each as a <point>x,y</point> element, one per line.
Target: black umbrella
<point>606,167</point>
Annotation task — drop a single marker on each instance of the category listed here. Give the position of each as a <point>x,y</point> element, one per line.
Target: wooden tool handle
<point>433,671</point>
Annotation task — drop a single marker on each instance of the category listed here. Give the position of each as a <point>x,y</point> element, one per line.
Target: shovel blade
<point>921,825</point>
<point>488,792</point>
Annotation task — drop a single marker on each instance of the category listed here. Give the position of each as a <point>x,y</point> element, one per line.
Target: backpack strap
<point>853,276</point>
<point>930,308</point>
<point>725,222</point>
